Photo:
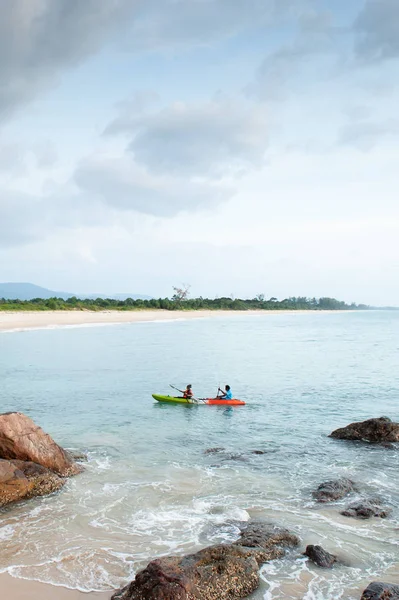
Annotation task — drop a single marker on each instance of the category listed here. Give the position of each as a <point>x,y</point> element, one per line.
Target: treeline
<point>258,303</point>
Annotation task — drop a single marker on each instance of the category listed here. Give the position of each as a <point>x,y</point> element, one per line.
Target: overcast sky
<point>241,146</point>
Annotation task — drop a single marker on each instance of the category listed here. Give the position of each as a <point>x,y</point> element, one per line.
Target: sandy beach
<point>21,589</point>
<point>21,320</point>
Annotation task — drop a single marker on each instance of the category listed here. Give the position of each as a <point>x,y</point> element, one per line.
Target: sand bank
<point>20,320</point>
<point>21,589</point>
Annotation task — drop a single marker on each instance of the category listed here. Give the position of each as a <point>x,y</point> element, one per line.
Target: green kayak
<point>174,399</point>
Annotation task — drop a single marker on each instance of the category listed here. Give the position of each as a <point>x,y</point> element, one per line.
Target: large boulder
<point>381,591</point>
<point>372,430</point>
<point>333,490</point>
<point>22,439</point>
<point>223,572</point>
<point>320,557</point>
<point>20,480</point>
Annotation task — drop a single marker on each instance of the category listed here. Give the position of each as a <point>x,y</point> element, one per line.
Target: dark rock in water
<point>222,572</point>
<point>333,490</point>
<point>268,537</point>
<point>381,591</point>
<point>319,556</point>
<point>20,480</point>
<point>214,450</point>
<point>365,509</point>
<point>22,439</point>
<point>77,456</point>
<point>235,456</point>
<point>258,452</point>
<point>215,573</point>
<point>372,430</point>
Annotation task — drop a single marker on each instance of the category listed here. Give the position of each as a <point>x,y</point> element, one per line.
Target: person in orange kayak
<point>225,395</point>
<point>188,392</point>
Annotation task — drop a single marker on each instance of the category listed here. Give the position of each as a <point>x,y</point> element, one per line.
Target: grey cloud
<point>41,38</point>
<point>212,139</point>
<point>38,38</point>
<point>364,135</point>
<point>171,23</point>
<point>317,36</point>
<point>120,185</point>
<point>377,30</point>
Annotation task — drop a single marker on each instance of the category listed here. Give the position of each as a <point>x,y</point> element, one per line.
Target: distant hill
<point>27,291</point>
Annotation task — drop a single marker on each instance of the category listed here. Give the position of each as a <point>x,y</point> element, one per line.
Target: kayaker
<point>227,394</point>
<point>188,392</point>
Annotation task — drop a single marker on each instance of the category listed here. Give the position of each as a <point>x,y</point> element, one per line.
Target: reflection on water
<point>149,487</point>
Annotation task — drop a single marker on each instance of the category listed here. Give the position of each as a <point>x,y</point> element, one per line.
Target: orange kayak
<point>221,401</point>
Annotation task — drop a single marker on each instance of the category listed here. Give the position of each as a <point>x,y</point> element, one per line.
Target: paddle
<point>197,400</point>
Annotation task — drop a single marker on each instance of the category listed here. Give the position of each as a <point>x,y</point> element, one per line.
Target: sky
<point>237,146</point>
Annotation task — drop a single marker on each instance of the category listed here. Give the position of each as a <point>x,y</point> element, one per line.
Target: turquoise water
<point>149,488</point>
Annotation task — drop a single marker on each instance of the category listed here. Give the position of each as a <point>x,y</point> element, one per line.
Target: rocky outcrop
<point>373,430</point>
<point>320,557</point>
<point>381,591</point>
<point>13,483</point>
<point>43,480</point>
<point>267,537</point>
<point>22,439</point>
<point>333,490</point>
<point>22,480</point>
<point>365,509</point>
<point>219,572</point>
<point>31,463</point>
<point>223,572</point>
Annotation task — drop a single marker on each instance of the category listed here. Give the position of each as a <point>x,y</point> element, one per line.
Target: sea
<point>152,488</point>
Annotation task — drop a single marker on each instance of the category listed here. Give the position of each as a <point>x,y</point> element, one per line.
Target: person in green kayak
<point>227,394</point>
<point>188,392</point>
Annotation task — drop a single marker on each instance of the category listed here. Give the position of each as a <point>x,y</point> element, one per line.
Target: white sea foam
<point>6,532</point>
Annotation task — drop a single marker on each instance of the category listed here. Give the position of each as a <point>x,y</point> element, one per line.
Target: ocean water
<point>149,487</point>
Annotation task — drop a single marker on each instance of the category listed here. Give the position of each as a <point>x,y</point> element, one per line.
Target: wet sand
<point>21,589</point>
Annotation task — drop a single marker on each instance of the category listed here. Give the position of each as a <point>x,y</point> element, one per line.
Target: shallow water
<point>149,489</point>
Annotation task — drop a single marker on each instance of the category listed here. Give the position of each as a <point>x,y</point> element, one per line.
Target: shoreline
<point>25,589</point>
<point>29,320</point>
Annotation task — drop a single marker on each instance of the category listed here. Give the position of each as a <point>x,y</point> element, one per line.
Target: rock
<point>365,509</point>
<point>77,456</point>
<point>13,483</point>
<point>372,430</point>
<point>258,452</point>
<point>333,490</point>
<point>214,450</point>
<point>21,439</point>
<point>268,537</point>
<point>381,591</point>
<point>222,572</point>
<point>20,480</point>
<point>44,481</point>
<point>320,557</point>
